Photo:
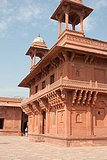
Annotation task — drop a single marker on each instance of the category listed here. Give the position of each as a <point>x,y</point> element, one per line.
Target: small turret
<point>38,49</point>
<point>71,12</point>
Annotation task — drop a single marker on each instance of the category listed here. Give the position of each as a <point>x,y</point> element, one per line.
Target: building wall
<point>76,70</point>
<point>97,71</point>
<point>12,117</point>
<point>73,120</point>
<point>80,121</point>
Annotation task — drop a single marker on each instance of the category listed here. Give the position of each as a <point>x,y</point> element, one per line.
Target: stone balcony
<point>76,40</point>
<point>66,83</point>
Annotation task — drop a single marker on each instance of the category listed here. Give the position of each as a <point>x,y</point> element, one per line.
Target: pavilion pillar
<point>31,64</point>
<point>66,19</point>
<point>81,24</point>
<point>59,28</point>
<point>73,27</point>
<point>34,58</point>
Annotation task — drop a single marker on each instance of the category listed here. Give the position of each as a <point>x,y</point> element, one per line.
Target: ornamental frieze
<point>87,41</point>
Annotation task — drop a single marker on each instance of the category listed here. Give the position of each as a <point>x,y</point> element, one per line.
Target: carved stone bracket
<point>43,103</point>
<point>36,107</point>
<point>94,98</point>
<point>79,97</point>
<point>84,97</point>
<point>28,109</point>
<point>74,97</point>
<point>56,99</point>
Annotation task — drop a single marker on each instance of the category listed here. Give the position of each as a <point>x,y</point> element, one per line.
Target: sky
<point>21,22</point>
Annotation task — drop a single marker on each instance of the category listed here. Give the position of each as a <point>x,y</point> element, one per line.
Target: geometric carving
<point>56,99</point>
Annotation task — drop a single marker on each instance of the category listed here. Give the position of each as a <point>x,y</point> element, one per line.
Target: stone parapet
<point>76,40</point>
<point>67,84</point>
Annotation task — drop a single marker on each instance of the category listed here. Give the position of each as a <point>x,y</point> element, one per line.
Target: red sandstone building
<point>12,119</point>
<point>68,87</point>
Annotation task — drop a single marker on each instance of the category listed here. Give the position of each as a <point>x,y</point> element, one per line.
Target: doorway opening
<point>24,123</point>
<point>44,122</point>
<point>1,123</point>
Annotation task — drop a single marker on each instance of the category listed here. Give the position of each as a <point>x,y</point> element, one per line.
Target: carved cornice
<point>74,40</point>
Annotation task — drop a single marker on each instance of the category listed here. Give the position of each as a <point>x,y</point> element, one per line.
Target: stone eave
<point>36,47</point>
<point>71,39</point>
<point>59,8</point>
<point>10,102</point>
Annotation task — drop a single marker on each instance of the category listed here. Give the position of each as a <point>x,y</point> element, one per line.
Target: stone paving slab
<point>20,148</point>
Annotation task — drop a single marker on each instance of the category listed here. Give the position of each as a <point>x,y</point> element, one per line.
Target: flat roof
<point>10,102</point>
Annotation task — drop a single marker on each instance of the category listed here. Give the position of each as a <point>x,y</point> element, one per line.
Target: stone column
<point>59,28</point>
<point>81,24</point>
<point>47,121</point>
<point>73,27</point>
<point>90,131</point>
<point>56,122</point>
<point>66,19</point>
<point>31,64</point>
<point>33,123</point>
<point>34,58</point>
<point>40,123</point>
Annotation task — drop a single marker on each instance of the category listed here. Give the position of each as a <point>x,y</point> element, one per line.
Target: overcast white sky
<point>21,22</point>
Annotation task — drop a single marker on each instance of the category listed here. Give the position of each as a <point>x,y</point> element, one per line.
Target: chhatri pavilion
<point>68,86</point>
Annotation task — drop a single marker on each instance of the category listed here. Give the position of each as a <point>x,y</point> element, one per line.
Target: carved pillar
<point>66,19</point>
<point>59,28</point>
<point>33,123</point>
<point>73,27</point>
<point>31,64</point>
<point>40,123</point>
<point>89,121</point>
<point>47,122</point>
<point>34,58</point>
<point>56,122</point>
<point>67,122</point>
<point>81,24</point>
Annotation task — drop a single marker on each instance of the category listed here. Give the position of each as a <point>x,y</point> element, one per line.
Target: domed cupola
<point>39,42</point>
<point>72,13</point>
<point>37,49</point>
<point>77,1</point>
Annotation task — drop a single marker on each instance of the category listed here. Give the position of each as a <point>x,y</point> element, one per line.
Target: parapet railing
<point>67,83</point>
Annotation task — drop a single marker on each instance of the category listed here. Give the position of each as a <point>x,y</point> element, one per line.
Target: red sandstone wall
<point>12,120</point>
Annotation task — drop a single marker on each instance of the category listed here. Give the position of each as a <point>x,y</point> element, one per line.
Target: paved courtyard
<point>20,148</point>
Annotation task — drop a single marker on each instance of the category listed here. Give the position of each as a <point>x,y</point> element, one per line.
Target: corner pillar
<point>59,28</point>
<point>31,63</point>
<point>90,131</point>
<point>81,24</point>
<point>73,27</point>
<point>34,58</point>
<point>66,19</point>
<point>47,122</point>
